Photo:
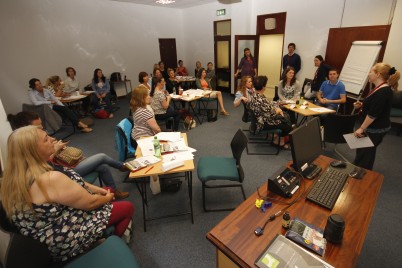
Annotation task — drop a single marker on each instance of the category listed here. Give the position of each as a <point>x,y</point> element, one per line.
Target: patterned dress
<point>66,231</point>
<point>264,111</point>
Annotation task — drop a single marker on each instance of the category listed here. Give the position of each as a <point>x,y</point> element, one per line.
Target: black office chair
<point>262,137</point>
<point>335,126</point>
<point>223,168</point>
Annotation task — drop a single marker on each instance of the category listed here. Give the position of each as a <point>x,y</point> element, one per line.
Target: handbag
<point>69,157</point>
<point>189,122</point>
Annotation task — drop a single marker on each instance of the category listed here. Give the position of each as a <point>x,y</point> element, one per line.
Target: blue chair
<point>212,168</point>
<point>123,142</point>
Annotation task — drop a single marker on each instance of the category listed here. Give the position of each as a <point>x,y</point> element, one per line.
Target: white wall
<point>41,38</point>
<point>307,24</point>
<point>393,53</point>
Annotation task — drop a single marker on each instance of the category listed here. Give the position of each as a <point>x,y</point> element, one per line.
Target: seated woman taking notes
<point>203,83</point>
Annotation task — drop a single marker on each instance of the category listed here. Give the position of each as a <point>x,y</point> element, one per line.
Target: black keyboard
<point>327,188</point>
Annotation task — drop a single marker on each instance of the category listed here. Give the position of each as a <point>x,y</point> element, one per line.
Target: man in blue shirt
<point>332,92</point>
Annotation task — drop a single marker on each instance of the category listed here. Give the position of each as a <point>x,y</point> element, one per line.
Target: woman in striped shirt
<point>144,120</point>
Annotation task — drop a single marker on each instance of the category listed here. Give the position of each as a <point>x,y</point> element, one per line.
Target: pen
<point>149,169</point>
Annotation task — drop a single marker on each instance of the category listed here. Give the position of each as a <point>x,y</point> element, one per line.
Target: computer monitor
<point>306,144</point>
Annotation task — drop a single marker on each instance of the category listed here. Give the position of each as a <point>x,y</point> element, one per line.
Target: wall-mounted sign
<point>221,12</point>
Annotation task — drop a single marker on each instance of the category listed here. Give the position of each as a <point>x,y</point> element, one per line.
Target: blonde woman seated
<point>203,83</point>
<point>144,120</point>
<point>245,91</point>
<point>54,205</point>
<point>289,88</point>
<point>55,85</point>
<point>144,123</point>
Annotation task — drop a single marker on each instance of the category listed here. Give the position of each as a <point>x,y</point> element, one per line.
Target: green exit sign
<point>221,12</point>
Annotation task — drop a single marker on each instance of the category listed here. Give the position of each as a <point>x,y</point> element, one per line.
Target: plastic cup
<point>180,91</point>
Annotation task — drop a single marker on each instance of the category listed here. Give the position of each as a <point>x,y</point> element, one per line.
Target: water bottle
<point>157,147</point>
<point>174,91</point>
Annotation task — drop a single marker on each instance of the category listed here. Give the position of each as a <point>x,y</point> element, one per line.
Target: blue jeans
<point>99,163</point>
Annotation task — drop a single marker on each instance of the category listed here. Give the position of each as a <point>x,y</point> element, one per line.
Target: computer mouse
<point>338,164</point>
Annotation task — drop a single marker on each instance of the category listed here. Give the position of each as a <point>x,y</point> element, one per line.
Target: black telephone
<point>284,184</point>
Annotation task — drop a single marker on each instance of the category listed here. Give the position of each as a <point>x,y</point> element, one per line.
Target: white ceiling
<point>179,4</point>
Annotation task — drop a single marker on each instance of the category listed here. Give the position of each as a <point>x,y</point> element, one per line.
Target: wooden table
<point>238,246</point>
<point>140,175</point>
<point>187,97</point>
<point>307,112</point>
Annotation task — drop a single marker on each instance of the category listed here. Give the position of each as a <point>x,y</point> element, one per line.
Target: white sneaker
<point>128,233</point>
<point>155,185</point>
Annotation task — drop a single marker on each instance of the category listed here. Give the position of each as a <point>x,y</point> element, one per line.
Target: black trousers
<point>365,157</point>
<point>65,112</point>
<point>170,112</point>
<point>285,127</point>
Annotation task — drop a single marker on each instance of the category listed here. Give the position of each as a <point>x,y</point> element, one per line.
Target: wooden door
<point>222,49</point>
<point>167,49</point>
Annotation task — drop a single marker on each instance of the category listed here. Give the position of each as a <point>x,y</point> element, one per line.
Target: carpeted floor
<point>175,242</point>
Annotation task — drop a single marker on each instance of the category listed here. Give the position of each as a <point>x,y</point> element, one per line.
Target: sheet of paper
<point>355,142</point>
<point>146,146</point>
<point>303,107</point>
<point>321,110</point>
<point>169,136</point>
<point>181,156</point>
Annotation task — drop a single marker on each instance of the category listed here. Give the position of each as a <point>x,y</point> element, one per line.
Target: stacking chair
<point>335,126</point>
<point>265,134</point>
<point>223,169</point>
<point>17,250</point>
<point>204,106</point>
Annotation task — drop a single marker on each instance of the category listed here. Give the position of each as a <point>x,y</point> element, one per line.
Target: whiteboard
<point>362,56</point>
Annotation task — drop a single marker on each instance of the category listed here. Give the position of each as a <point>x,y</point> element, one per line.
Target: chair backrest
<point>276,96</point>
<point>123,142</point>
<point>336,125</point>
<point>238,144</point>
<point>17,250</point>
<point>246,113</point>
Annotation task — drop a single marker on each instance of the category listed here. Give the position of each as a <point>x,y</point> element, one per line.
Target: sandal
<point>224,113</point>
<point>286,147</point>
<point>86,130</point>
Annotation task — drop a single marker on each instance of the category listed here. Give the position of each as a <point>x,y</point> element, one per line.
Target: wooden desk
<point>188,97</point>
<point>238,246</point>
<point>138,177</point>
<point>307,112</point>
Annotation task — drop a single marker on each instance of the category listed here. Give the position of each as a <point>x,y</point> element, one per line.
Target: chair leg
<point>204,186</point>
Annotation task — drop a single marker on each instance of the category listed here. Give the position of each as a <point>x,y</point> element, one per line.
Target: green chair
<point>223,168</point>
<point>263,137</point>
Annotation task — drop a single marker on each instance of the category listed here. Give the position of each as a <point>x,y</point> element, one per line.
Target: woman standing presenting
<point>375,111</point>
<point>247,65</point>
<point>54,205</point>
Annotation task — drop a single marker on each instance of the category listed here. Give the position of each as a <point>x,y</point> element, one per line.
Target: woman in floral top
<point>268,113</point>
<point>54,204</point>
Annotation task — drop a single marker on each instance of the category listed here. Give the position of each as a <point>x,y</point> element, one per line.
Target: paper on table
<point>355,142</point>
<point>169,136</point>
<point>182,156</point>
<point>303,107</point>
<point>321,110</point>
<point>146,146</point>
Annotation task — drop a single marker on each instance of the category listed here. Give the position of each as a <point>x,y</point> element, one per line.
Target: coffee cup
<point>180,91</point>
